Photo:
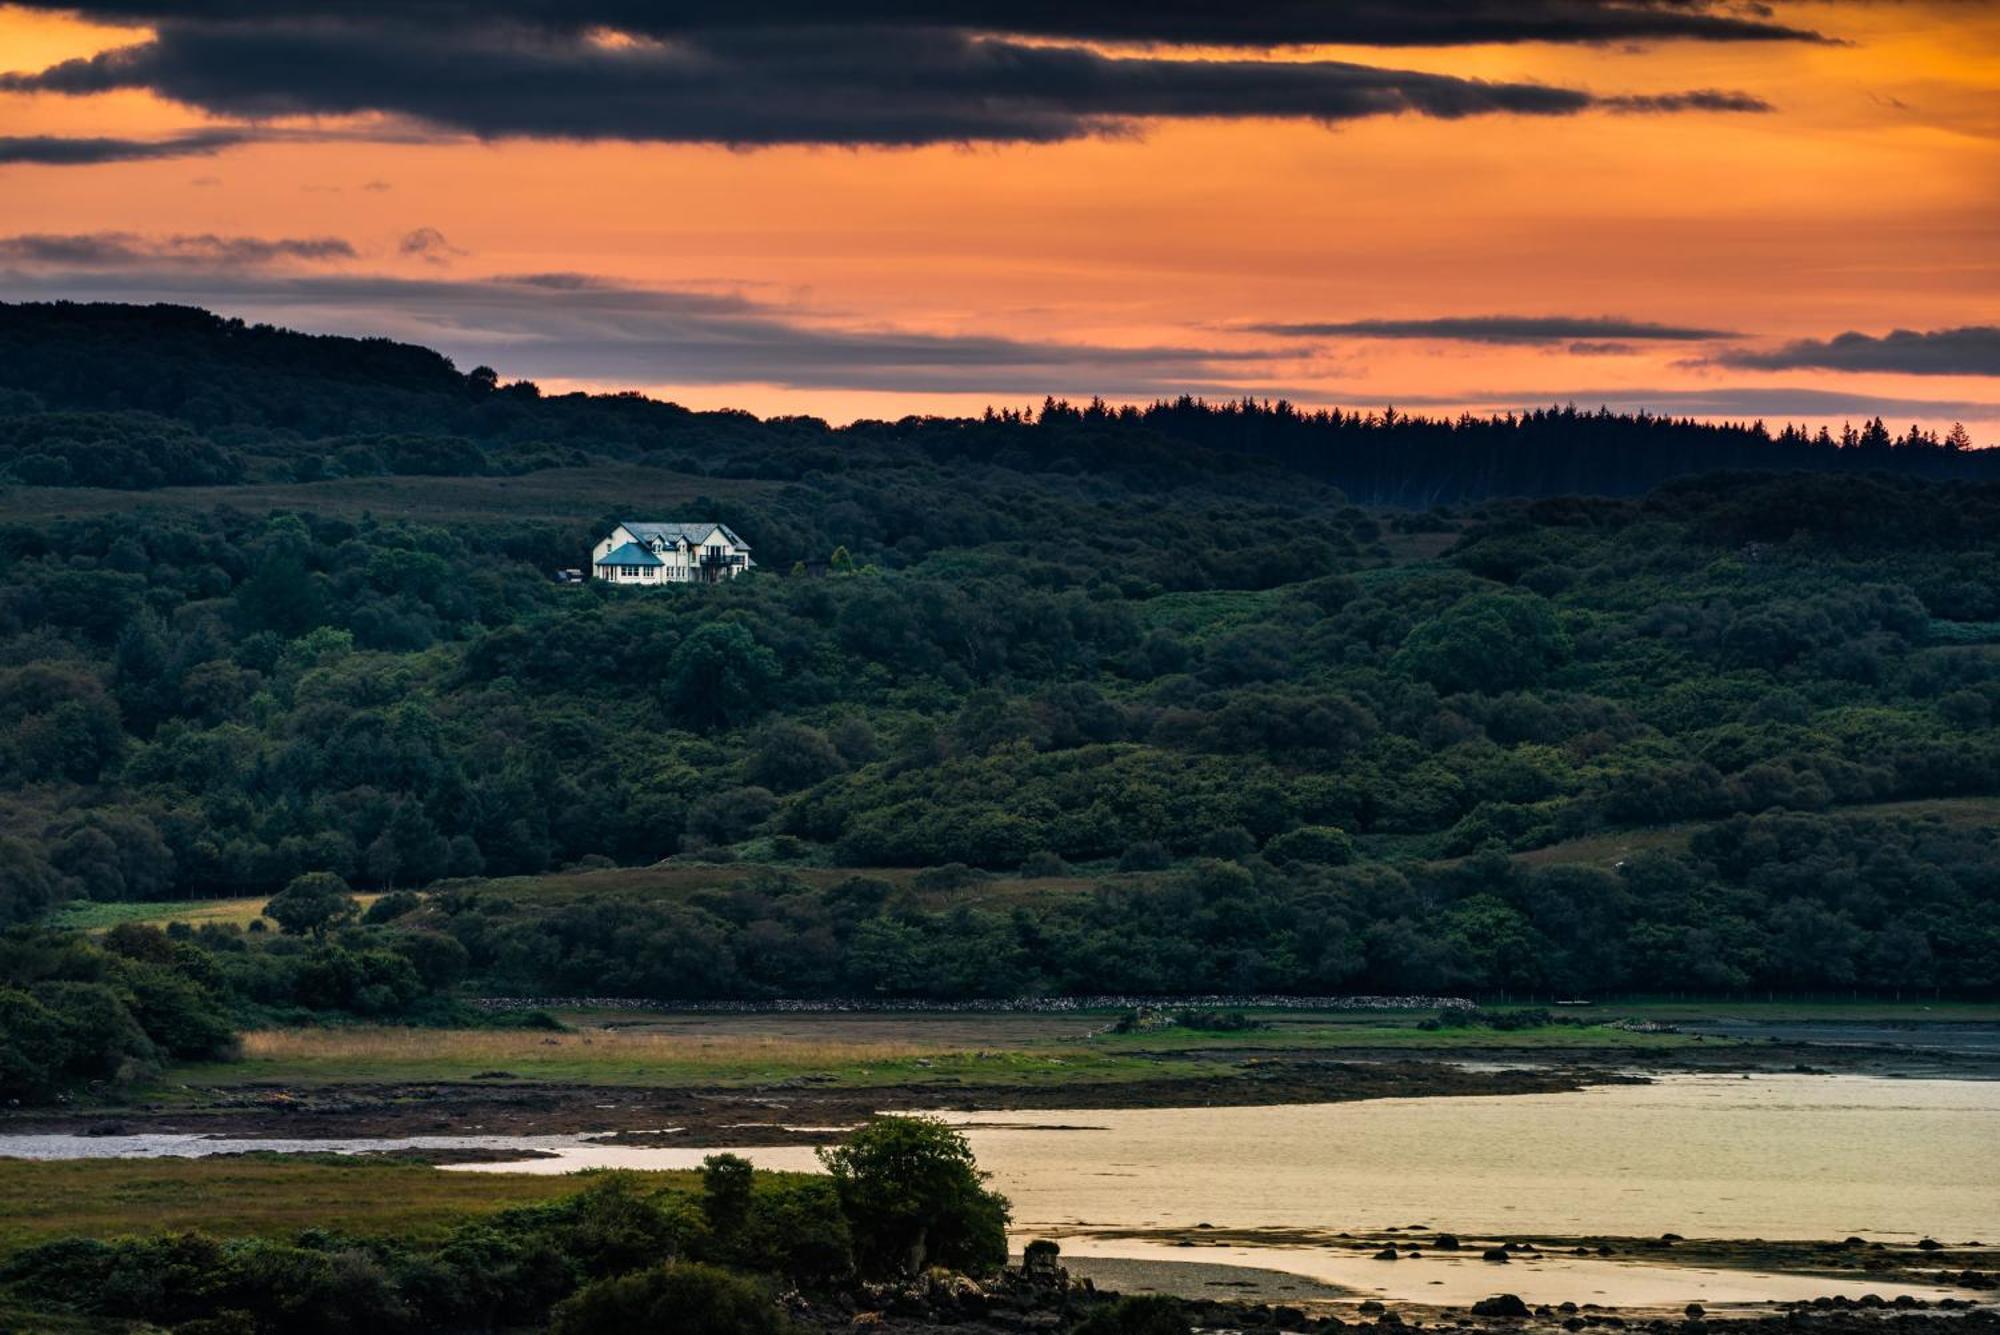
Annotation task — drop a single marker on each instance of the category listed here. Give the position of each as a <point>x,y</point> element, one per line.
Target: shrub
<point>392,906</point>
<point>1044,863</point>
<point>951,876</point>
<point>609,1227</point>
<point>1146,855</point>
<point>1322,844</point>
<point>1149,1314</point>
<point>678,1299</point>
<point>797,1229</point>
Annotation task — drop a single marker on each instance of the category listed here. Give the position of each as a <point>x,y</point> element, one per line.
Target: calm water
<point>1707,1156</point>
<point>1770,1157</point>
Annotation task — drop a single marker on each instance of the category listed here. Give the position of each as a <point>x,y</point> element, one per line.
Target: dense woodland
<point>1268,739</point>
<point>139,397</point>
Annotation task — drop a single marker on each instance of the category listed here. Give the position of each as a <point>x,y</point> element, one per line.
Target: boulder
<point>1498,1254</point>
<point>1502,1304</point>
<point>1445,1242</point>
<point>1039,1261</point>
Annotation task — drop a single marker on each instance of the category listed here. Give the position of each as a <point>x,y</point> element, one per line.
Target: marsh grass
<point>384,1055</point>
<point>531,1047</point>
<point>88,916</point>
<point>237,1195</point>
<point>682,1057</point>
<point>611,1057</point>
<point>583,490</point>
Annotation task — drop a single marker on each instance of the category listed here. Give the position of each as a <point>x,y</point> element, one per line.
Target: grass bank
<point>643,1058</point>
<point>89,916</point>
<point>238,1195</point>
<point>846,1052</point>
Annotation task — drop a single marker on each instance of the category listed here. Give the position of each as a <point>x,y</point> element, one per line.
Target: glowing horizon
<point>1703,259</point>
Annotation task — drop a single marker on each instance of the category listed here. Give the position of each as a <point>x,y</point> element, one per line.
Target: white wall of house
<point>680,561</point>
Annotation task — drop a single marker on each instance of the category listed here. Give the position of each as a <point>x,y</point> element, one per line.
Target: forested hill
<point>138,397</point>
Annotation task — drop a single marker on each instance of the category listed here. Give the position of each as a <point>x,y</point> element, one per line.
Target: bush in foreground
<point>1151,1314</point>
<point>675,1299</point>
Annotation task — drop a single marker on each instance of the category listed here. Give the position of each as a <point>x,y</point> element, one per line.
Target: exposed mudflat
<point>805,1111</point>
<point>790,1113</point>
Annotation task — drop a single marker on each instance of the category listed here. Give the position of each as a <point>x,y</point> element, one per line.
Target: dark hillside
<point>1264,739</point>
<point>281,406</point>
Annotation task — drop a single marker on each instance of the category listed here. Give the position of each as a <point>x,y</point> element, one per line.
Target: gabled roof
<point>631,554</point>
<point>646,530</point>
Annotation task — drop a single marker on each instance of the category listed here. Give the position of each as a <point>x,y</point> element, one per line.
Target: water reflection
<point>1705,1156</point>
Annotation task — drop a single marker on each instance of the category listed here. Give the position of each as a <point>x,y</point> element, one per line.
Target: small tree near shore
<point>914,1198</point>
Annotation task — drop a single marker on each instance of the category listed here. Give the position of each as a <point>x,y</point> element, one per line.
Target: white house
<point>649,552</point>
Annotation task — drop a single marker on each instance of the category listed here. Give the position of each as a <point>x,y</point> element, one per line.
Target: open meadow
<point>859,1051</point>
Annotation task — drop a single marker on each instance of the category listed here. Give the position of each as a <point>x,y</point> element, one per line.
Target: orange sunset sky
<point>720,217</point>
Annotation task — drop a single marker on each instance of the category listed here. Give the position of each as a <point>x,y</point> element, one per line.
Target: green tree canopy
<point>719,677</point>
<point>312,903</point>
<point>914,1197</point>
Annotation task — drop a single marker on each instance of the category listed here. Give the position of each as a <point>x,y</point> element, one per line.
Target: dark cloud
<point>1702,99</point>
<point>1585,330</point>
<point>429,245</point>
<point>113,250</point>
<point>574,326</point>
<point>65,151</point>
<point>90,150</point>
<point>1744,402</point>
<point>1259,23</point>
<point>1972,350</point>
<point>753,85</point>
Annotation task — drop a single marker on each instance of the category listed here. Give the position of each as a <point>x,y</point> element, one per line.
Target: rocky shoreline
<point>1041,1295</point>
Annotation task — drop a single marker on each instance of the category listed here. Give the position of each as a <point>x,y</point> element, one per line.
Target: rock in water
<point>1503,1304</point>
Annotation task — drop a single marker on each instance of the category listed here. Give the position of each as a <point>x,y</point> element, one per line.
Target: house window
<point>629,572</point>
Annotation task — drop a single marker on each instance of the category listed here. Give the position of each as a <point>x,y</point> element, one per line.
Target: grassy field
<point>1612,847</point>
<point>246,1195</point>
<point>650,1059</point>
<point>841,1051</point>
<point>85,916</point>
<point>679,880</point>
<point>1669,1011</point>
<point>675,881</point>
<point>554,491</point>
